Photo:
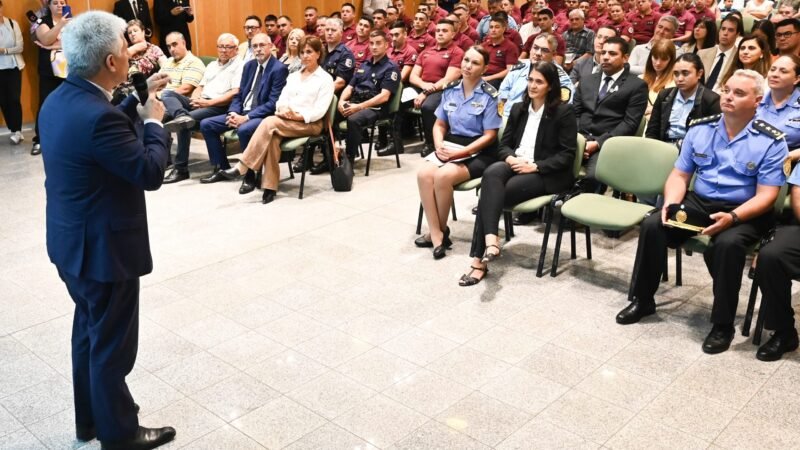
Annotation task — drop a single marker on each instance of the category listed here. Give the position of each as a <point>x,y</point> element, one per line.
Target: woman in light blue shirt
<point>780,107</point>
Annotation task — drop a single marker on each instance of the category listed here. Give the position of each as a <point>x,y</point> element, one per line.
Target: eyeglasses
<point>226,47</point>
<point>249,28</point>
<point>544,50</point>
<point>787,34</point>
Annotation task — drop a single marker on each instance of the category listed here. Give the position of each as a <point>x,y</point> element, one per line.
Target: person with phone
<point>173,15</point>
<point>11,65</point>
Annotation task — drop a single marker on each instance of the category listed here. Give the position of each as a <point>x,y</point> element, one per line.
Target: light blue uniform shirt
<point>794,178</point>
<point>786,118</point>
<point>680,113</point>
<point>470,116</point>
<point>515,84</point>
<point>730,170</point>
<point>483,26</point>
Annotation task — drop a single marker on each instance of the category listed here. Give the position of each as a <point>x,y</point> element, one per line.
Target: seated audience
<point>546,25</point>
<point>11,65</point>
<point>129,10</point>
<point>658,71</point>
<point>588,66</point>
<point>302,104</point>
<point>737,197</point>
<point>461,11</point>
<point>210,98</point>
<point>349,22</point>
<point>780,106</point>
<point>465,143</point>
<point>753,54</point>
<point>252,26</point>
<point>718,58</point>
<point>292,56</point>
<point>617,21</point>
<point>784,10</point>
<point>766,30</point>
<point>641,53</point>
<point>359,46</point>
<point>702,11</point>
<point>686,21</point>
<point>483,23</point>
<point>503,54</point>
<point>310,17</point>
<point>760,9</point>
<point>703,36</point>
<point>366,98</point>
<point>675,107</point>
<point>184,69</point>
<point>535,158</point>
<point>401,52</point>
<point>262,80</point>
<point>284,24</point>
<point>418,36</point>
<point>609,103</point>
<point>578,39</point>
<point>787,37</point>
<point>643,20</point>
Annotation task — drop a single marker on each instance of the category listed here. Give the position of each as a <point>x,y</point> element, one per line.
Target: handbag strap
<point>334,149</point>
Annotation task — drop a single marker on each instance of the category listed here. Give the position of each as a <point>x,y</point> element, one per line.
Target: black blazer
<point>619,113</point>
<point>706,103</point>
<point>123,9</point>
<point>555,147</point>
<point>167,23</point>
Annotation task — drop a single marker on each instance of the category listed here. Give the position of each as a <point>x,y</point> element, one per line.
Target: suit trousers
<point>213,127</point>
<point>778,264</point>
<point>185,136</point>
<point>105,339</point>
<point>725,258</point>
<point>500,187</point>
<point>10,91</point>
<point>357,123</point>
<point>47,84</point>
<point>264,149</point>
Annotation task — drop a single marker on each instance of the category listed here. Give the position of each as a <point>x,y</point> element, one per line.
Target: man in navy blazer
<point>97,168</point>
<point>263,79</point>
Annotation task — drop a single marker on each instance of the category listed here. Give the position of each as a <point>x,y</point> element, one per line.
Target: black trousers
<point>501,187</point>
<point>47,84</point>
<point>428,109</point>
<point>778,264</point>
<point>356,124</point>
<point>725,258</point>
<point>105,338</point>
<point>10,92</point>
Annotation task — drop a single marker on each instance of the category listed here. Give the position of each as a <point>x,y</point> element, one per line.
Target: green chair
<point>207,59</point>
<point>628,164</point>
<point>394,106</point>
<point>547,204</point>
<point>290,146</point>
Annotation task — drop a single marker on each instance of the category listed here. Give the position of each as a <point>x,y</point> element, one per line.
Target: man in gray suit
<point>608,103</point>
<point>718,58</point>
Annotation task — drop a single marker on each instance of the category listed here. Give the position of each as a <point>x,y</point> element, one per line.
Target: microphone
<point>140,84</point>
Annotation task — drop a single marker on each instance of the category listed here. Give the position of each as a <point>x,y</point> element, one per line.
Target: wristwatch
<point>734,217</point>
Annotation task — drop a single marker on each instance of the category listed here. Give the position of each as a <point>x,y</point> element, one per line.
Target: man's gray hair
<point>552,41</point>
<point>577,13</point>
<point>89,38</point>
<point>672,20</point>
<point>176,34</point>
<point>753,75</point>
<point>335,20</point>
<point>228,37</point>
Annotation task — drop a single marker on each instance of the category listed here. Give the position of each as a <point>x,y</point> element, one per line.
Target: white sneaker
<point>17,137</point>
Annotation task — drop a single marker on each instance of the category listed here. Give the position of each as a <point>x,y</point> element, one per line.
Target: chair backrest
<point>581,147</point>
<point>642,127</point>
<point>635,164</point>
<point>394,102</point>
<point>207,59</point>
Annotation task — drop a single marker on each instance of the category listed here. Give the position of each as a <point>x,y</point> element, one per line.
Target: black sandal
<point>468,280</point>
<point>489,257</point>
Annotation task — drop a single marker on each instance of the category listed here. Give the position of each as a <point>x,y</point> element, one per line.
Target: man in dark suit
<point>173,15</point>
<point>608,103</point>
<point>97,169</point>
<point>263,79</point>
<point>134,9</point>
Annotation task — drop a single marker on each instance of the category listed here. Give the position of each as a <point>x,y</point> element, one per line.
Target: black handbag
<point>341,168</point>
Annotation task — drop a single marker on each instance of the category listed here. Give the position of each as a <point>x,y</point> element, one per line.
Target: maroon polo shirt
<point>500,55</point>
<point>435,61</point>
<point>421,42</point>
<point>685,22</point>
<point>463,41</point>
<point>643,26</point>
<point>700,15</point>
<point>513,36</point>
<point>360,50</point>
<point>623,28</point>
<point>348,33</point>
<point>406,56</point>
<point>479,14</point>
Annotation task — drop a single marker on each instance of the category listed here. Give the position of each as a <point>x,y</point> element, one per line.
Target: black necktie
<point>604,88</point>
<point>256,86</point>
<point>712,78</point>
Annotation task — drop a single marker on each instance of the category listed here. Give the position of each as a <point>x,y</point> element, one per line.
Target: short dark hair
<point>737,20</point>
<point>270,18</point>
<point>250,17</point>
<point>446,22</point>
<point>789,22</point>
<point>352,6</point>
<point>695,61</point>
<point>313,8</point>
<point>398,24</point>
<point>608,27</point>
<point>379,11</point>
<point>546,11</point>
<point>378,33</point>
<point>623,44</point>
<point>500,17</point>
<point>368,20</point>
<point>391,7</point>
<point>284,16</point>
<point>484,53</point>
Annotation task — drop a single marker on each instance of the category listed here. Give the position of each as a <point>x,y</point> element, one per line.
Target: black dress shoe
<point>387,150</point>
<point>719,339</point>
<point>268,196</point>
<point>36,149</point>
<point>222,175</point>
<point>320,168</point>
<point>421,242</point>
<point>780,343</point>
<point>635,312</point>
<point>439,252</point>
<point>145,438</point>
<point>248,183</point>
<point>176,175</point>
<point>524,218</point>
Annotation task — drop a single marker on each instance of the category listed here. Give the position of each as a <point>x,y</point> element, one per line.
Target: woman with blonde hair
<point>658,70</point>
<point>292,56</point>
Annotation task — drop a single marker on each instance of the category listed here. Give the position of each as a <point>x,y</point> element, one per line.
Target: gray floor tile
<point>331,394</point>
<point>278,423</point>
<point>235,396</point>
<point>484,418</point>
<point>380,421</point>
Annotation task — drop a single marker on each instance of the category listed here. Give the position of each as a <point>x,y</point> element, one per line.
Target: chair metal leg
<point>510,229</point>
<point>760,322</point>
<point>554,268</point>
<point>678,267</point>
<point>419,219</point>
<point>395,139</point>
<point>369,152</point>
<point>507,224</point>
<point>306,158</point>
<point>548,218</point>
<point>453,207</point>
<point>665,274</point>
<point>751,306</point>
<point>572,253</point>
<point>291,172</point>
<point>588,233</point>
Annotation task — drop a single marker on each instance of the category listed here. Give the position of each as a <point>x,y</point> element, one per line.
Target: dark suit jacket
<point>272,82</point>
<point>554,150</point>
<point>123,9</point>
<point>618,114</point>
<point>97,170</point>
<point>706,103</point>
<point>167,23</point>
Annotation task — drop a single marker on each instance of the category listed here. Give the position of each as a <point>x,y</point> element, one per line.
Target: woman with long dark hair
<point>535,158</point>
<point>753,53</point>
<point>704,35</point>
<point>658,71</point>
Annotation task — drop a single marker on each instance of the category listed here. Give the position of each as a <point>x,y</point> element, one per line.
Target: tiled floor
<point>316,323</point>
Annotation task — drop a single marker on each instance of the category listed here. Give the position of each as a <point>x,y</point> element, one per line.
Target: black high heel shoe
<point>489,257</point>
<point>468,280</point>
<point>441,251</point>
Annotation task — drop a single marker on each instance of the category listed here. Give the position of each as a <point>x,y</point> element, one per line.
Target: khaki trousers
<point>264,149</point>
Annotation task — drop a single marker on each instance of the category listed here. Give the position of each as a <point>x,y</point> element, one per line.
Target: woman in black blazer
<point>536,156</point>
<point>688,75</point>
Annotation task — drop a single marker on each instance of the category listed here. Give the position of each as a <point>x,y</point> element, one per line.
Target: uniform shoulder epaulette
<point>768,129</point>
<point>521,65</point>
<point>706,119</point>
<point>489,89</point>
<point>452,84</point>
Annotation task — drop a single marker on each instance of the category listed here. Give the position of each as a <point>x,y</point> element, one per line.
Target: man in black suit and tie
<point>173,15</point>
<point>135,9</point>
<point>608,103</point>
<point>263,79</point>
<point>97,168</point>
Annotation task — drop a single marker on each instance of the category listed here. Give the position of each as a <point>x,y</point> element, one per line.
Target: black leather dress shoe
<point>248,183</point>
<point>36,149</point>
<point>268,196</point>
<point>176,175</point>
<point>387,150</point>
<point>222,175</point>
<point>524,218</point>
<point>635,312</point>
<point>719,339</point>
<point>145,438</point>
<point>421,242</point>
<point>780,343</point>
<point>320,168</point>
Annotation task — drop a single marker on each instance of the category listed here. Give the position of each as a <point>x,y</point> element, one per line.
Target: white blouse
<point>527,145</point>
<point>311,97</point>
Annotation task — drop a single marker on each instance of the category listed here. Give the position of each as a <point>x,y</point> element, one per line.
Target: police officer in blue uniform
<point>739,167</point>
<point>366,98</point>
<point>781,105</point>
<point>339,62</point>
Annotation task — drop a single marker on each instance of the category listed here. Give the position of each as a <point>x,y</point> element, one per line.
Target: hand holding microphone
<point>145,89</point>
